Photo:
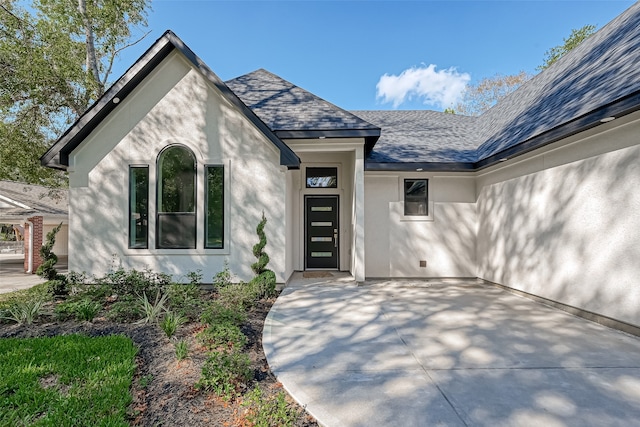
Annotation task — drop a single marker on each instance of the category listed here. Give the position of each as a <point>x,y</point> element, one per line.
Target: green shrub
<point>239,295</point>
<point>216,312</point>
<point>151,311</point>
<point>86,310</point>
<point>222,279</point>
<point>135,282</point>
<point>126,309</point>
<point>182,350</point>
<point>260,266</point>
<point>184,299</point>
<point>58,286</point>
<point>23,312</point>
<point>195,277</point>
<point>225,373</point>
<point>268,411</point>
<point>65,310</point>
<point>49,259</point>
<point>264,285</point>
<point>222,336</point>
<point>171,322</point>
<point>78,279</point>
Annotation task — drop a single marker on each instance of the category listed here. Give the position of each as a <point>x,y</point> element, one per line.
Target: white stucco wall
<point>565,225</point>
<point>395,244</point>
<point>175,105</point>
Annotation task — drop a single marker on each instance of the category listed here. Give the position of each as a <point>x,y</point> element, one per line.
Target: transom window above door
<point>322,177</point>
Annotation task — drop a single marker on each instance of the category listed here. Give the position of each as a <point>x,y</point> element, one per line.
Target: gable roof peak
<point>58,155</point>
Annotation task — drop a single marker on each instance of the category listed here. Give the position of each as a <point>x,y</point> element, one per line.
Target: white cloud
<point>441,88</point>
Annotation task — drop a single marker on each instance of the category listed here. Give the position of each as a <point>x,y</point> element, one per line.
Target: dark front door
<point>321,232</point>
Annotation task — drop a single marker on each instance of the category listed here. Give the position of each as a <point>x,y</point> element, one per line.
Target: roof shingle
<point>284,106</point>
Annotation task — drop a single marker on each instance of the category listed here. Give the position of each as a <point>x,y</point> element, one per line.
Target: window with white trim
<point>416,197</point>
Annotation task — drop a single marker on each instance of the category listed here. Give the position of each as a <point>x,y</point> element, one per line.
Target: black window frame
<point>206,206</point>
<point>159,199</point>
<point>131,231</point>
<point>408,199</point>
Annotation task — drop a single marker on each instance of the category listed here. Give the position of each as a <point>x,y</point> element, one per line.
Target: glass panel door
<point>322,232</point>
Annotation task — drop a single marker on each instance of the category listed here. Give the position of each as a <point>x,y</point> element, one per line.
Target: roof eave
<point>370,135</point>
<point>616,109</point>
<point>57,156</point>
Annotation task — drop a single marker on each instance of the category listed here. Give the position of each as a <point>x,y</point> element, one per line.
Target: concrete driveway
<point>13,277</point>
<point>415,353</point>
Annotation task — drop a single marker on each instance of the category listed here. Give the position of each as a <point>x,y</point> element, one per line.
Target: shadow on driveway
<point>428,353</point>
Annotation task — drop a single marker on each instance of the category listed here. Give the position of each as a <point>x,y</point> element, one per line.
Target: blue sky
<point>341,50</point>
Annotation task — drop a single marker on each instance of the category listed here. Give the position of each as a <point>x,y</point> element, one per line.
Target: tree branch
<point>115,53</point>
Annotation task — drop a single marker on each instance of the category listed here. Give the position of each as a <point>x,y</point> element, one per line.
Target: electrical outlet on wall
<point>423,263</point>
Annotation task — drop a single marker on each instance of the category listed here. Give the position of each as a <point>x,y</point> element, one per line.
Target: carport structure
<point>35,210</point>
<point>447,353</point>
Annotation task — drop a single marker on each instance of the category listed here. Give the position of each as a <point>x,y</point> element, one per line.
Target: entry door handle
<point>335,237</point>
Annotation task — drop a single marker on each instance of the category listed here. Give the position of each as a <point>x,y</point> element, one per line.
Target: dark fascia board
<point>370,136</point>
<point>331,133</point>
<point>129,81</point>
<point>424,166</point>
<point>617,109</point>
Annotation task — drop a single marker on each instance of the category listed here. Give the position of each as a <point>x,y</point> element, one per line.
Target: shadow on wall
<point>190,114</point>
<point>500,359</point>
<point>447,243</point>
<point>569,234</point>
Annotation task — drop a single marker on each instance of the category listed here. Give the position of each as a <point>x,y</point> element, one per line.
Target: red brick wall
<point>38,240</point>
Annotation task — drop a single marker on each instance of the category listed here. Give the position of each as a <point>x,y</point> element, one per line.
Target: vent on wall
<point>423,263</point>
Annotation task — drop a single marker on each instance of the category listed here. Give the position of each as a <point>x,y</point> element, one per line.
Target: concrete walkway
<point>416,353</point>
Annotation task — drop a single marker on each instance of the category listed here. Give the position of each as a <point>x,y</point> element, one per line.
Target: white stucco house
<point>172,168</point>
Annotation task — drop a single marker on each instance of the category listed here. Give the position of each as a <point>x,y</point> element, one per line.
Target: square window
<point>416,197</point>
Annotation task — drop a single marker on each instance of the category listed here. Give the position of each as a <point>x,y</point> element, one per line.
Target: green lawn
<point>71,380</point>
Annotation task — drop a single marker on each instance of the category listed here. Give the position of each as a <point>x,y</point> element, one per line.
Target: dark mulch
<point>163,391</point>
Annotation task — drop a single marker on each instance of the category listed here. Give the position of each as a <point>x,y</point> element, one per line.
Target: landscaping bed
<point>168,389</point>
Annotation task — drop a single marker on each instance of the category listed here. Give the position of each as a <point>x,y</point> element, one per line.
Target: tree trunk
<point>92,62</point>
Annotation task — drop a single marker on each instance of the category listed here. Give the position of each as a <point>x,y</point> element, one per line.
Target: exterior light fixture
<point>607,119</point>
<point>116,100</point>
<point>504,159</point>
<point>419,170</point>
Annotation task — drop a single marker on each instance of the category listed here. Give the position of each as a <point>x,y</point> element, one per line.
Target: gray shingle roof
<point>284,106</point>
<point>36,200</point>
<point>602,69</point>
<point>421,137</point>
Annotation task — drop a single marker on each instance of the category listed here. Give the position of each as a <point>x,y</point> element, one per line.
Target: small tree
<point>47,269</point>
<point>265,279</point>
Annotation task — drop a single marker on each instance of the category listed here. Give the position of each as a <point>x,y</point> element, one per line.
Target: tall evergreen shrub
<point>265,280</point>
<point>49,259</point>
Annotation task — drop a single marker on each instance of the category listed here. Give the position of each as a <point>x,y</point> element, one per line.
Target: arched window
<point>176,201</point>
